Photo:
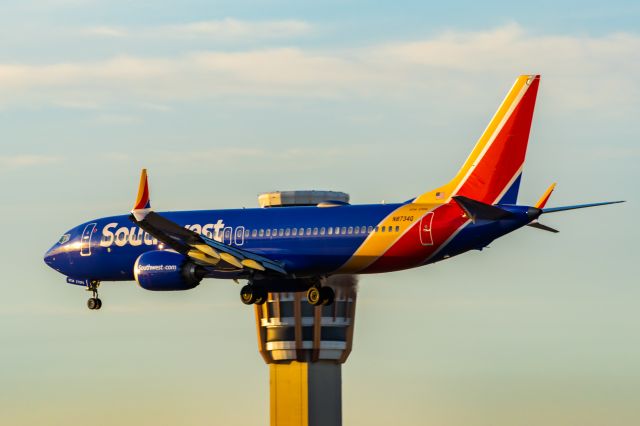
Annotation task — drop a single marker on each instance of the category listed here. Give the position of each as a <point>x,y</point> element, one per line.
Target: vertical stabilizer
<point>492,172</point>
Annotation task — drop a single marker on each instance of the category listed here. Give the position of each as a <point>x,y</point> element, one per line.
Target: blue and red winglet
<point>542,202</point>
<point>143,202</point>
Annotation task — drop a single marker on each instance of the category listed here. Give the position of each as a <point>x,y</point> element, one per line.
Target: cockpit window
<point>64,238</point>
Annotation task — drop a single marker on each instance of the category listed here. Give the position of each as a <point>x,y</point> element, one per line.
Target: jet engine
<point>165,271</point>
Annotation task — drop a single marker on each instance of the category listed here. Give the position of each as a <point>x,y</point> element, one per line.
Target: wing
<point>201,249</point>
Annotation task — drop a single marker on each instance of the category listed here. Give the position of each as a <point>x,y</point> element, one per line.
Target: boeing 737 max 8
<point>297,248</point>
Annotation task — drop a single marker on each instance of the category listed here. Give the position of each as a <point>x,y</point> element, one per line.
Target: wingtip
<point>545,197</point>
<point>143,200</point>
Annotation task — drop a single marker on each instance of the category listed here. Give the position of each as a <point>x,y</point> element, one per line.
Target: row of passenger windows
<point>331,230</point>
<point>275,232</point>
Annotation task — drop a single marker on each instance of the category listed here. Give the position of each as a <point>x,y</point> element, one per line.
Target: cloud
<point>223,30</point>
<point>250,156</point>
<point>13,162</point>
<point>585,71</point>
<point>105,31</point>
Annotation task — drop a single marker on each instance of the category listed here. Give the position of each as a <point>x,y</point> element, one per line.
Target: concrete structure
<point>305,345</point>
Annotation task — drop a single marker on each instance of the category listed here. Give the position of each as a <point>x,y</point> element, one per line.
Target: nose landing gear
<point>94,302</point>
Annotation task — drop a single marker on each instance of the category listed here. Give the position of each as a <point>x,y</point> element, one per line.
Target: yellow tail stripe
<point>377,243</point>
<point>509,103</point>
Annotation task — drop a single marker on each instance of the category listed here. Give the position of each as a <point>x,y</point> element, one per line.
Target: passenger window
<point>274,232</point>
<point>343,230</point>
<point>330,231</point>
<point>308,231</point>
<point>350,230</point>
<point>246,233</point>
<point>254,233</point>
<point>322,231</point>
<point>363,230</point>
<point>294,231</point>
<point>315,231</point>
<point>382,229</point>
<point>301,231</point>
<point>280,232</point>
<point>370,229</point>
<point>356,230</point>
<point>397,229</point>
<point>287,232</point>
<point>268,234</point>
<point>261,233</point>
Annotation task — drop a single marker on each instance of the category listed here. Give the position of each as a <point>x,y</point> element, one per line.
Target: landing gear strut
<point>317,295</point>
<point>94,302</point>
<point>252,293</point>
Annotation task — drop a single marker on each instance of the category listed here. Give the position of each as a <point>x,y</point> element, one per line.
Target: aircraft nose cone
<point>49,258</point>
<point>55,258</point>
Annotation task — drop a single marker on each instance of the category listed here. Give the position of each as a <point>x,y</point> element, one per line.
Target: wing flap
<point>202,257</point>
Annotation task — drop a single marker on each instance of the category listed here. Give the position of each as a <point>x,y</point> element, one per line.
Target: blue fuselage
<point>307,240</point>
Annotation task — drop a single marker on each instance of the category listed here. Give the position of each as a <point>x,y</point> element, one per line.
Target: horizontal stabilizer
<point>538,225</point>
<point>578,206</point>
<point>476,210</point>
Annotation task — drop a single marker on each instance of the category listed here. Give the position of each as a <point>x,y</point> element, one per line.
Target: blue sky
<point>223,100</point>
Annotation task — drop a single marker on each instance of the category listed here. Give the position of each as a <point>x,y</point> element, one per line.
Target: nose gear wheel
<point>94,303</point>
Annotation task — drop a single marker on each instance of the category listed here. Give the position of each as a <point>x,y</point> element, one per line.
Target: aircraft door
<point>85,241</point>
<point>426,237</point>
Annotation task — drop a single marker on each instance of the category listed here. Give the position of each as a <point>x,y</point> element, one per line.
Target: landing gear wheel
<point>313,296</point>
<point>261,295</point>
<point>247,295</point>
<point>92,303</point>
<point>251,294</point>
<point>328,296</point>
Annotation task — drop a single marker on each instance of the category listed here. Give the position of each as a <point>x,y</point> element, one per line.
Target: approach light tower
<point>304,345</point>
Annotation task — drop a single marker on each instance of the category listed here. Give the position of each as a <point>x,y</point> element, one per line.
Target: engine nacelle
<point>165,271</point>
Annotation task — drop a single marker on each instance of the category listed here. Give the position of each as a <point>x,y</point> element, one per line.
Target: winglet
<point>545,197</point>
<point>143,203</point>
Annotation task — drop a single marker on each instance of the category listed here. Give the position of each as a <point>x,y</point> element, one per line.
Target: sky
<point>384,100</point>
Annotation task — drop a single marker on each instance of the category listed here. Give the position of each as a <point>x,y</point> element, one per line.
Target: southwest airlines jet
<point>297,248</point>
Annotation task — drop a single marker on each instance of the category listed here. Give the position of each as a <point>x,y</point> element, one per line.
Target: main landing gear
<point>317,295</point>
<point>252,293</point>
<point>94,302</point>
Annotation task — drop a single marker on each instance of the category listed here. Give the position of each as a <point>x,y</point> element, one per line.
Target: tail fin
<point>492,172</point>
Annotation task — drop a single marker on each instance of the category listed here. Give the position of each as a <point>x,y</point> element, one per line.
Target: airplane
<point>297,248</point>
